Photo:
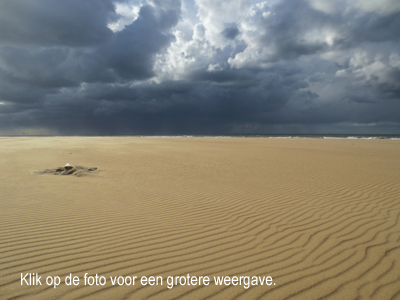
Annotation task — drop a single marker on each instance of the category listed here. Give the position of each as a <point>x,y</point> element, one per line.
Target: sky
<point>199,67</point>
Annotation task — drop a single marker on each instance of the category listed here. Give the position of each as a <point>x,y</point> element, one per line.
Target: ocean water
<point>341,136</point>
<point>319,136</point>
<point>278,136</point>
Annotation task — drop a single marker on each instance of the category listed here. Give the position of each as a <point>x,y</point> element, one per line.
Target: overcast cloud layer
<point>199,67</point>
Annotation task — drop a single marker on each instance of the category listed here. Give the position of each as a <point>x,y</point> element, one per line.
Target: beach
<point>319,217</point>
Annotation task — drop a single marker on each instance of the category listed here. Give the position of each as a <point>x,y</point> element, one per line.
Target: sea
<point>277,136</point>
<point>300,136</point>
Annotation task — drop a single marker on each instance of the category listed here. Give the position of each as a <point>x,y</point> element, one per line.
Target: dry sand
<point>319,216</point>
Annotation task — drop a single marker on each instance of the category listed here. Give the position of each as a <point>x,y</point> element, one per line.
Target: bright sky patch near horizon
<point>106,67</point>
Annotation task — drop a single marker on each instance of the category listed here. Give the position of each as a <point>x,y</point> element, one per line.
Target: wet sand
<point>321,217</point>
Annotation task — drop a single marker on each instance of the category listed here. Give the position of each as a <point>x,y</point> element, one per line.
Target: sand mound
<point>69,170</point>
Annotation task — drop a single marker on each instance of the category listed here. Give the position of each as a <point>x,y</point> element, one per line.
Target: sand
<point>321,217</point>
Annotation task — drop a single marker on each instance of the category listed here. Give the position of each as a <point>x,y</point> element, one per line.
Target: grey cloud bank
<point>199,67</point>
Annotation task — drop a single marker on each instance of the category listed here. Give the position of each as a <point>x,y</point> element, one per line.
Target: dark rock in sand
<point>70,170</point>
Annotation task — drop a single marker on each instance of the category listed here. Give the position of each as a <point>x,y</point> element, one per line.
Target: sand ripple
<point>319,216</point>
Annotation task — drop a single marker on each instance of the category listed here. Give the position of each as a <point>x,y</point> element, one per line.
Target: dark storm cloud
<point>62,68</point>
<point>286,25</point>
<point>48,22</point>
<point>173,107</point>
<point>38,68</point>
<point>231,31</point>
<point>126,55</point>
<point>370,27</point>
<point>291,20</point>
<point>131,52</point>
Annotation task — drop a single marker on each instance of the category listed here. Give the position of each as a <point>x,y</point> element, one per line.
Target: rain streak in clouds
<point>199,67</point>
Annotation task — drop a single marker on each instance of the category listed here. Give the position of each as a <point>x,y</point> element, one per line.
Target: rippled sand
<point>321,217</point>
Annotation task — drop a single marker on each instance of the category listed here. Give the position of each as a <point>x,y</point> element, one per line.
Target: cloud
<point>231,31</point>
<point>199,67</point>
<point>50,23</point>
<point>127,54</point>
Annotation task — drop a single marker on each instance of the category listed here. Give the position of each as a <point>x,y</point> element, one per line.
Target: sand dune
<point>321,217</point>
